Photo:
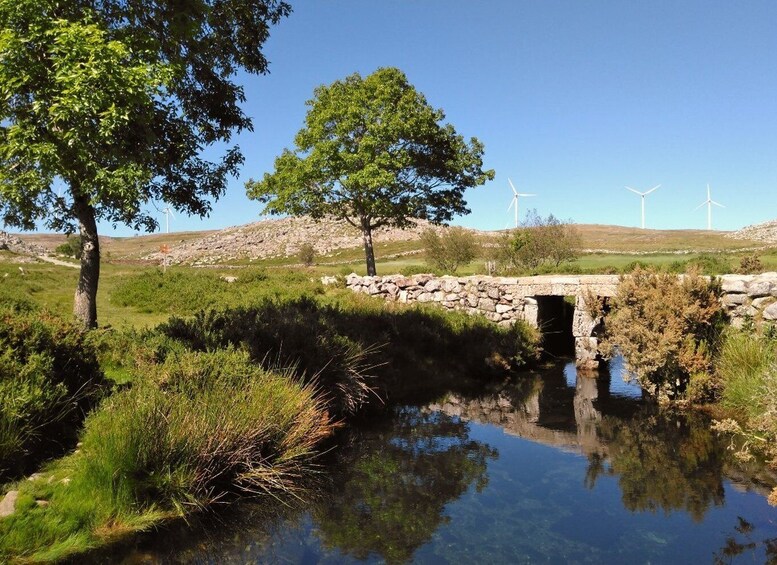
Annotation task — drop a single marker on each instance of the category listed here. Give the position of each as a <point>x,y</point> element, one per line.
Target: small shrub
<point>541,241</point>
<point>73,247</point>
<point>750,265</point>
<point>447,252</point>
<point>306,254</point>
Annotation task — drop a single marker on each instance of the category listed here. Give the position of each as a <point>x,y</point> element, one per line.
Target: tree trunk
<point>85,303</point>
<point>368,251</point>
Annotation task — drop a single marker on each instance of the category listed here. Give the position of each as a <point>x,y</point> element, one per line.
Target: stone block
<point>450,285</point>
<point>770,312</point>
<point>762,302</point>
<point>424,297</point>
<point>493,316</point>
<point>734,284</point>
<point>492,292</point>
<point>734,299</point>
<point>487,305</point>
<point>433,285</point>
<point>402,296</point>
<point>502,308</point>
<point>759,288</point>
<point>438,296</point>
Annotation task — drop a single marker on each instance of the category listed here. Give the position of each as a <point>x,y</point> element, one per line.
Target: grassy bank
<point>231,401</point>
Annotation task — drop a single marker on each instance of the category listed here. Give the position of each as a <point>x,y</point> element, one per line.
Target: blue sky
<point>573,100</point>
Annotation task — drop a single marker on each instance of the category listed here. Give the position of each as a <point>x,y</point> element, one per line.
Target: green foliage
<point>705,263</point>
<point>200,428</point>
<point>71,248</point>
<point>118,108</point>
<point>373,152</point>
<point>306,254</point>
<point>296,334</point>
<point>186,291</point>
<point>49,379</point>
<point>540,242</point>
<point>666,328</point>
<point>456,246</point>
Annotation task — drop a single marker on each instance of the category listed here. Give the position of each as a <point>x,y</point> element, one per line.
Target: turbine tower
<point>514,201</point>
<point>709,202</point>
<point>642,197</point>
<point>168,212</point>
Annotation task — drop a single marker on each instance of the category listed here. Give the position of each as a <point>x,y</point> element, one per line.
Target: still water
<point>551,468</point>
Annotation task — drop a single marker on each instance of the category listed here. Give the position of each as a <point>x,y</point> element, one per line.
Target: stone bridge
<point>557,303</point>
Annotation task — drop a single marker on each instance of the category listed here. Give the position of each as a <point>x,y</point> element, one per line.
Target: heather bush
<point>667,328</point>
<point>49,379</point>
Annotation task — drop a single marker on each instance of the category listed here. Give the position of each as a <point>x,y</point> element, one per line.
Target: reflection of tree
<point>396,482</point>
<point>663,461</point>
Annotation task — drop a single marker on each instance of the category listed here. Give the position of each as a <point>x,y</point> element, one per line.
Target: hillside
<point>281,238</point>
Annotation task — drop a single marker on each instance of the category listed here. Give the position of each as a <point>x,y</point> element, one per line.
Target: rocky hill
<point>765,232</point>
<point>278,238</point>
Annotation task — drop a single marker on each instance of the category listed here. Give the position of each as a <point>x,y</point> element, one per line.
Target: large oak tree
<point>373,152</point>
<point>115,100</point>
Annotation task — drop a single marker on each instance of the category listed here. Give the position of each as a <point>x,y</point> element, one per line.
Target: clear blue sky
<point>572,99</point>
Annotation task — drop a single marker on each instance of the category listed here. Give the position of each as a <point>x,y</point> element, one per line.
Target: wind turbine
<point>642,195</point>
<point>514,201</point>
<point>709,202</point>
<point>168,212</point>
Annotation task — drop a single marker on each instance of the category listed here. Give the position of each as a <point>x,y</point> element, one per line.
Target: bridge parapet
<point>503,300</point>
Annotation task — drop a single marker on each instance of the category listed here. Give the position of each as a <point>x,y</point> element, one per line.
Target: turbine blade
<point>652,189</point>
<point>522,194</point>
<point>512,186</point>
<point>716,203</point>
<point>634,191</point>
<point>511,203</point>
<point>700,205</point>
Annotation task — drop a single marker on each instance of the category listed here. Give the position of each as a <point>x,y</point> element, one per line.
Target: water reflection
<point>473,478</point>
<point>394,482</point>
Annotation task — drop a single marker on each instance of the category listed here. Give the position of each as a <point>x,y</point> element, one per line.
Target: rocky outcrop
<point>280,238</point>
<point>15,244</point>
<point>765,232</point>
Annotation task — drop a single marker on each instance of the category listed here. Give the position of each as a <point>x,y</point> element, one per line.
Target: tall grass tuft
<point>746,365</point>
<point>202,428</point>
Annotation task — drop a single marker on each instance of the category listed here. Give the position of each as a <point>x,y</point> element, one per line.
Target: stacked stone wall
<point>503,300</point>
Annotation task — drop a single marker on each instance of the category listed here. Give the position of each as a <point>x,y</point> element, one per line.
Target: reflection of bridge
<point>551,413</point>
<point>544,409</point>
<point>541,301</point>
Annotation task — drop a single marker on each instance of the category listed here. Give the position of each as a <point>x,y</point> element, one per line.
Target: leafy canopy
<point>116,99</point>
<point>373,152</point>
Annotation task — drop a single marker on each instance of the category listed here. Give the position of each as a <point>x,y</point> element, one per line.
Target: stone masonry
<point>504,300</point>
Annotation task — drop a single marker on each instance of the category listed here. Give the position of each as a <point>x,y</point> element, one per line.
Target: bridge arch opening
<point>555,315</point>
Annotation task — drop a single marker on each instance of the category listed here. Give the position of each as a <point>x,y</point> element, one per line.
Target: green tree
<point>374,153</point>
<point>446,251</point>
<point>116,99</point>
<point>538,242</point>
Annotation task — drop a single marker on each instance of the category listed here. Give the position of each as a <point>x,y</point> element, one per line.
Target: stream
<point>549,468</point>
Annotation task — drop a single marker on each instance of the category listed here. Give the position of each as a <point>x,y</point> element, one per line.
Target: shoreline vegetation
<point>221,391</point>
<point>212,405</point>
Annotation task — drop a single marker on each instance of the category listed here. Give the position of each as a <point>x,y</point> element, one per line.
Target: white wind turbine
<point>514,201</point>
<point>709,202</point>
<point>168,212</point>
<point>642,197</point>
